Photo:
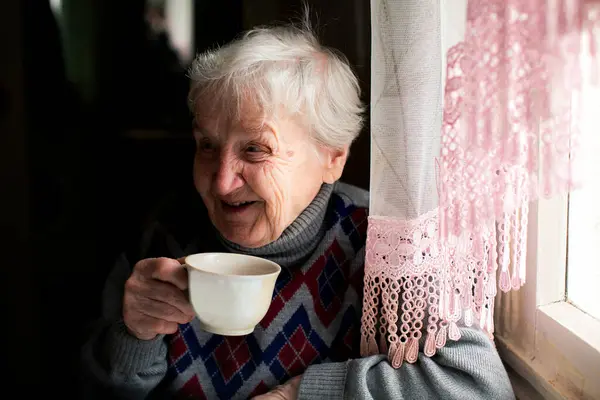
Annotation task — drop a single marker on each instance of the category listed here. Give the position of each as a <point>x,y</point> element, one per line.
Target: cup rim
<point>236,276</point>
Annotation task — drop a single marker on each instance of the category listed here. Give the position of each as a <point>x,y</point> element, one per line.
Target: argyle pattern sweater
<point>311,327</point>
<point>314,317</point>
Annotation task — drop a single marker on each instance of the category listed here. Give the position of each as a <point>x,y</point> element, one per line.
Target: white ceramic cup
<point>230,293</point>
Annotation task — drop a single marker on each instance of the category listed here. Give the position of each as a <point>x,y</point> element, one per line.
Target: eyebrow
<point>260,130</point>
<point>254,129</point>
<point>252,126</point>
<point>198,129</point>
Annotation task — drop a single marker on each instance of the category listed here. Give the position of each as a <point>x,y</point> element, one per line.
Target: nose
<point>228,177</point>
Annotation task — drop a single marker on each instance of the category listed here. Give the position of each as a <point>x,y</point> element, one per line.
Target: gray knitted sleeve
<point>115,363</point>
<point>469,369</point>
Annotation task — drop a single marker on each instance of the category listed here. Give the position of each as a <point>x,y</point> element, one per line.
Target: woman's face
<point>255,181</point>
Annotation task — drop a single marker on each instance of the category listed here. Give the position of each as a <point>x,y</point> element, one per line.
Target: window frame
<point>551,343</point>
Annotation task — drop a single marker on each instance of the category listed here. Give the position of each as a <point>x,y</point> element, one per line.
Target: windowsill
<point>523,366</point>
<point>565,360</point>
<point>522,388</point>
<point>578,332</point>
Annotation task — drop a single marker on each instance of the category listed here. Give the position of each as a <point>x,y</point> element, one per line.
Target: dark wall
<point>18,296</point>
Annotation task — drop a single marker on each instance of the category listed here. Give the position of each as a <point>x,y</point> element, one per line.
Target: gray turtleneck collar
<point>299,240</point>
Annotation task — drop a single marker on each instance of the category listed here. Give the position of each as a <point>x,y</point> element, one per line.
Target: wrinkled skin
<point>287,391</point>
<point>277,167</point>
<point>154,302</point>
<point>274,164</point>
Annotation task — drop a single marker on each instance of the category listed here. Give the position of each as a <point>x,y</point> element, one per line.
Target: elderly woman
<point>275,115</point>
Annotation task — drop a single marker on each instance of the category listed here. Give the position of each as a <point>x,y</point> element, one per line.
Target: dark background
<point>94,133</point>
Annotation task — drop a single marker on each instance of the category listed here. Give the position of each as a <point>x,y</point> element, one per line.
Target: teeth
<point>239,204</point>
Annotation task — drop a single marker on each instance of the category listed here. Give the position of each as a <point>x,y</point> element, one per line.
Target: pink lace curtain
<point>474,114</point>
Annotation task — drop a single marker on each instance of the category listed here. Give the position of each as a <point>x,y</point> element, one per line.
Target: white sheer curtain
<point>471,119</point>
<point>404,258</point>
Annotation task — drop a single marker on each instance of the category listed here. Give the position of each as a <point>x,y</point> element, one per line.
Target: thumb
<point>168,270</point>
<point>181,260</point>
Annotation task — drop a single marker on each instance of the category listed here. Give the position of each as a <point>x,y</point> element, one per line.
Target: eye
<point>256,152</point>
<point>206,146</point>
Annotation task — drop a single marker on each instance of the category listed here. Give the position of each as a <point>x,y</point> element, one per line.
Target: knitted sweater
<point>312,326</point>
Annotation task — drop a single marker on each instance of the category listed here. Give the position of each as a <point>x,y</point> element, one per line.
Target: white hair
<point>281,69</point>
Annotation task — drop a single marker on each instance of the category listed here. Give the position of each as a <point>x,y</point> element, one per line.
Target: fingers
<point>164,311</point>
<point>146,327</point>
<point>287,391</point>
<point>169,294</point>
<point>154,300</point>
<point>295,381</point>
<point>166,270</point>
<point>160,292</point>
<point>275,394</point>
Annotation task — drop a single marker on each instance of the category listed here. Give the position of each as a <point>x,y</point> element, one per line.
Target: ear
<point>334,163</point>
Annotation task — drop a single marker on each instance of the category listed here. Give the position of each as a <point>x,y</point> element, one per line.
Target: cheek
<point>201,176</point>
<point>269,180</point>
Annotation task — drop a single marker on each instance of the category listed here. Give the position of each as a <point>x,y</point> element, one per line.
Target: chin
<point>252,244</point>
<point>244,239</point>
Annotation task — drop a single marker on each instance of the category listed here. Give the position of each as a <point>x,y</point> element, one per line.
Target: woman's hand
<point>155,301</point>
<point>287,391</point>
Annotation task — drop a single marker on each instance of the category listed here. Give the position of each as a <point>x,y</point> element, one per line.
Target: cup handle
<point>187,268</point>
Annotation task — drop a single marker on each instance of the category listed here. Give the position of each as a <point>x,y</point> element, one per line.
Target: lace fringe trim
<point>418,287</point>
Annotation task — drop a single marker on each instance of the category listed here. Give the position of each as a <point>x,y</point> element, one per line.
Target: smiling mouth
<point>237,207</point>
